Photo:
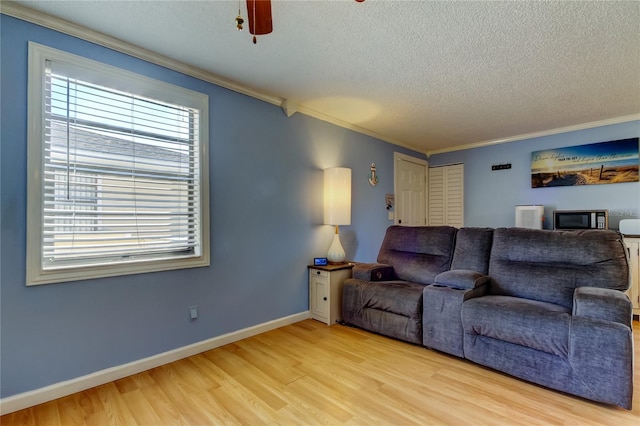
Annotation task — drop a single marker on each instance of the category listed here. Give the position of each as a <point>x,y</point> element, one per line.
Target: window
<point>119,181</point>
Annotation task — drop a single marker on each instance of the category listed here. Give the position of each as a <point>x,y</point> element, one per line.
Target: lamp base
<point>336,253</point>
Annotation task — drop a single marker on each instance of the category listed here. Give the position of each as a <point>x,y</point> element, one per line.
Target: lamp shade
<point>337,196</point>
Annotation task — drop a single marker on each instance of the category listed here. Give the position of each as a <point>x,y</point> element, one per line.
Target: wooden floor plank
<point>311,374</point>
<point>48,414</point>
<point>141,407</point>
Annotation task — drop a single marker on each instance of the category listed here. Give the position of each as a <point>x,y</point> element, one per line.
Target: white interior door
<point>410,187</point>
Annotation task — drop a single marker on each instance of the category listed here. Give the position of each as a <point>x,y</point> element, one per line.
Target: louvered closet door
<point>446,195</point>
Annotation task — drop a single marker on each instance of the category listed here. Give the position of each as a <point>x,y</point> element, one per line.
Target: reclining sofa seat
<point>386,297</point>
<point>554,313</point>
<point>467,278</point>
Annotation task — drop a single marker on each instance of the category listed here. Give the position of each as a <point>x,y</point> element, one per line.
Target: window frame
<point>120,79</point>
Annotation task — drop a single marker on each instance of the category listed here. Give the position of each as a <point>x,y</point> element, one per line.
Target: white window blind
<point>121,175</point>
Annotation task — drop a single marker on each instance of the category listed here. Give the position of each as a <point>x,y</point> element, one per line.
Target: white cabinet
<point>633,245</point>
<point>325,291</point>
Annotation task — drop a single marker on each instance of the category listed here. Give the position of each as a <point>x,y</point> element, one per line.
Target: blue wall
<point>266,215</point>
<point>490,197</point>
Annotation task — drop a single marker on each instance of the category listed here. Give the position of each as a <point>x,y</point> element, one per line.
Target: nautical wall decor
<point>373,175</point>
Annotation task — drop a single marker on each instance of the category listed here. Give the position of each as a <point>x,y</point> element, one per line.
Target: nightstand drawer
<point>319,273</point>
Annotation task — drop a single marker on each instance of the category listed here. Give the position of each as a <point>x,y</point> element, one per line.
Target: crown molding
<point>67,27</point>
<point>340,123</point>
<point>550,132</point>
<point>289,107</point>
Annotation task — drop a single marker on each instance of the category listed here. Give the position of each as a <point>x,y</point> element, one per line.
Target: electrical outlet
<point>193,313</point>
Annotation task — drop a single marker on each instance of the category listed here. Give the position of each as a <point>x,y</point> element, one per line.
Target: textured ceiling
<point>423,74</point>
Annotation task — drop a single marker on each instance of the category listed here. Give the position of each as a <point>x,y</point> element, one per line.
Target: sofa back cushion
<point>472,249</point>
<point>418,253</point>
<point>548,265</point>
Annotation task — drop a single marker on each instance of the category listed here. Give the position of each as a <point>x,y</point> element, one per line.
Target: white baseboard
<point>68,387</point>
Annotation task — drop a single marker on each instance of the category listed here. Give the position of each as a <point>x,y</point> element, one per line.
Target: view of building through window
<point>122,171</point>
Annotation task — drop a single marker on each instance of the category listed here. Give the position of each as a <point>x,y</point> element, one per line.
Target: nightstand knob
<point>324,298</point>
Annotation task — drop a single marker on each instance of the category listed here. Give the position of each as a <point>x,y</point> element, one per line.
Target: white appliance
<point>629,226</point>
<point>530,216</point>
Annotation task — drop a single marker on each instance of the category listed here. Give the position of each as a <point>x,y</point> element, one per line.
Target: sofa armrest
<point>461,278</point>
<point>601,355</point>
<point>373,272</point>
<point>602,304</point>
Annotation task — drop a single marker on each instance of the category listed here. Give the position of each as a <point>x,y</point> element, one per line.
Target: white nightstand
<point>325,291</point>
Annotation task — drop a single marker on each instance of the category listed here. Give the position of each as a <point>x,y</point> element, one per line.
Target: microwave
<point>580,219</point>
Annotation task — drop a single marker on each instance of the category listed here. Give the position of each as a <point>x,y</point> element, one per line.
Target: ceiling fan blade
<point>259,13</point>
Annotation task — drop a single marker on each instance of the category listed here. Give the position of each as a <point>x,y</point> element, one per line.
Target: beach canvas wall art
<point>592,164</point>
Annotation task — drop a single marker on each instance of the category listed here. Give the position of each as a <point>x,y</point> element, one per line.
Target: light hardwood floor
<point>308,373</point>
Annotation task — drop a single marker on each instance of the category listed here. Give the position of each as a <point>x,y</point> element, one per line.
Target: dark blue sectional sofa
<point>545,306</point>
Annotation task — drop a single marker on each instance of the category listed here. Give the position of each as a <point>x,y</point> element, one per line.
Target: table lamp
<point>337,207</point>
